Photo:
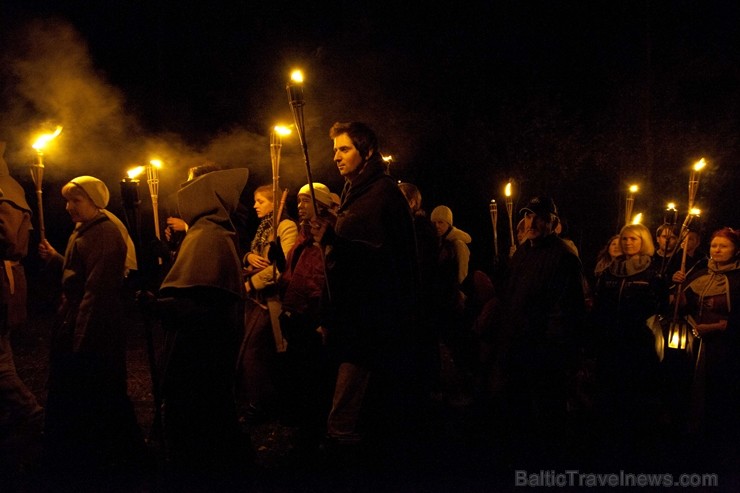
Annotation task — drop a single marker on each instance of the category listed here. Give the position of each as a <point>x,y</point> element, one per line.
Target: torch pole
<point>275,147</point>
<point>628,208</point>
<point>152,179</point>
<point>297,101</point>
<point>295,96</point>
<point>494,221</point>
<point>510,212</point>
<point>37,174</point>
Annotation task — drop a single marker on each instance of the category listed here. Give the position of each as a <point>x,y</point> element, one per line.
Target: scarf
<point>625,267</point>
<point>263,235</point>
<point>714,282</point>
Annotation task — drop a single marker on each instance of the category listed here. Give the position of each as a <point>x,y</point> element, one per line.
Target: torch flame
<point>134,172</point>
<point>388,159</point>
<point>296,76</point>
<point>695,212</point>
<point>507,190</point>
<point>700,164</point>
<point>282,130</point>
<point>634,188</point>
<point>637,219</point>
<point>44,139</point>
<point>671,206</point>
<point>157,163</point>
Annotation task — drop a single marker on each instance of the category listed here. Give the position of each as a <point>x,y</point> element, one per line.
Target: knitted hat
<point>324,197</point>
<point>306,190</point>
<point>99,194</point>
<point>95,189</point>
<point>442,213</point>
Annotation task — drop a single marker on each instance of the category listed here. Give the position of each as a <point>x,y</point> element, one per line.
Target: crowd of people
<point>340,321</point>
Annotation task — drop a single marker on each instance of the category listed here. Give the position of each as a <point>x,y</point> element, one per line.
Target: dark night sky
<point>576,98</point>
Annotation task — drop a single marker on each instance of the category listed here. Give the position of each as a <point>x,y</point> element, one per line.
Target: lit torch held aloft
<point>510,212</point>
<point>37,174</point>
<point>297,102</point>
<point>630,202</point>
<point>694,181</point>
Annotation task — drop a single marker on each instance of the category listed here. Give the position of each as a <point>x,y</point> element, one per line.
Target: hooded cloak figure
<point>201,306</point>
<point>17,403</point>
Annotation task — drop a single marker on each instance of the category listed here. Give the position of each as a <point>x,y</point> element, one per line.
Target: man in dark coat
<point>373,282</point>
<point>546,310</point>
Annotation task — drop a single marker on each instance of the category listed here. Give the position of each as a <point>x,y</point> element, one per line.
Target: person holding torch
<point>90,421</point>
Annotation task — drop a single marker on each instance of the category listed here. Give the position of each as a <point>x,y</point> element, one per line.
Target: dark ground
<point>453,456</point>
<point>460,452</point>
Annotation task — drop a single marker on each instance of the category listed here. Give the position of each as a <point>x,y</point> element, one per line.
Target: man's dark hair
<point>363,137</point>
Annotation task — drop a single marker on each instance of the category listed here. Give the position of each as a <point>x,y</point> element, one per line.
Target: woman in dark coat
<point>708,299</point>
<point>627,294</point>
<point>90,422</point>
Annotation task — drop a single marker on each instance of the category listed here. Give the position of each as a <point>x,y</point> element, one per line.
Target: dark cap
<point>542,206</point>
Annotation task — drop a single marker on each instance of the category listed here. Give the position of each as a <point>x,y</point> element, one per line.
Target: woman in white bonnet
<point>90,422</point>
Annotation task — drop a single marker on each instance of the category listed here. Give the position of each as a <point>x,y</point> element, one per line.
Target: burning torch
<point>630,203</point>
<point>297,101</point>
<point>37,174</point>
<point>694,181</point>
<point>131,203</point>
<point>510,212</point>
<point>276,144</point>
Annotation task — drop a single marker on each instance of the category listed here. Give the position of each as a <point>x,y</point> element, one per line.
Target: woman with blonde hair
<point>257,365</point>
<point>626,296</point>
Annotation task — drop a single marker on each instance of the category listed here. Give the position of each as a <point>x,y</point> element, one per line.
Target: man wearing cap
<point>308,385</point>
<point>546,311</point>
<point>17,402</point>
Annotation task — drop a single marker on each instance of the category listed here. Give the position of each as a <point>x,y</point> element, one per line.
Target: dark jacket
<point>545,294</point>
<point>372,269</point>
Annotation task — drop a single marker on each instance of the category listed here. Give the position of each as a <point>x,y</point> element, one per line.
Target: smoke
<point>52,80</point>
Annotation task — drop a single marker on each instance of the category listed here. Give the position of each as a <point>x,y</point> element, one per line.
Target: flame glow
<point>671,206</point>
<point>700,164</point>
<point>282,130</point>
<point>157,163</point>
<point>634,188</point>
<point>44,139</point>
<point>637,219</point>
<point>134,172</point>
<point>695,212</point>
<point>507,190</point>
<point>296,76</point>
